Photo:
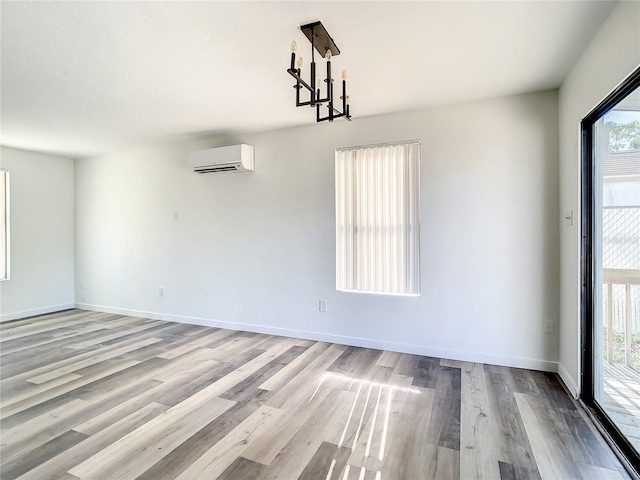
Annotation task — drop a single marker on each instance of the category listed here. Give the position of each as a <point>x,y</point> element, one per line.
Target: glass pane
<point>617,265</point>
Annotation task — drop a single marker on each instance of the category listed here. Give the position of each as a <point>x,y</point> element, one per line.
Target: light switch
<point>568,218</point>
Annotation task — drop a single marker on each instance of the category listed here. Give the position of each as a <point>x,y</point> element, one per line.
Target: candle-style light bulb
<point>344,75</point>
<point>318,83</point>
<point>348,100</point>
<point>299,62</point>
<point>327,56</point>
<point>294,46</point>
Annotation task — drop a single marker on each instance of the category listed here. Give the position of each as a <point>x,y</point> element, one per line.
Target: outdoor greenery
<point>624,137</point>
<point>618,349</point>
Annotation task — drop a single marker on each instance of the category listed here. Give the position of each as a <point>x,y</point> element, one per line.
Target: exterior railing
<point>623,321</point>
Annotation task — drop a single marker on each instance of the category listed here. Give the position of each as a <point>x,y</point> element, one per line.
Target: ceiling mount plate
<point>322,40</point>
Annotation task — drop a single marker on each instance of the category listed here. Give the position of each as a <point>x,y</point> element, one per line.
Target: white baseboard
<point>568,381</point>
<point>518,362</point>
<point>5,317</point>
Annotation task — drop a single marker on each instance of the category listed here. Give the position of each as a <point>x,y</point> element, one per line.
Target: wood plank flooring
<point>87,395</point>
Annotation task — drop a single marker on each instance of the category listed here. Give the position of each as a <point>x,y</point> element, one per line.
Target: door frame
<point>587,270</point>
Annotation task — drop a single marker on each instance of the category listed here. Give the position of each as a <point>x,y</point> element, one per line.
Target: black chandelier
<point>326,47</point>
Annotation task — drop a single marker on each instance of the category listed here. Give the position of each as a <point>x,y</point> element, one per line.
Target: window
<point>4,225</point>
<point>378,219</point>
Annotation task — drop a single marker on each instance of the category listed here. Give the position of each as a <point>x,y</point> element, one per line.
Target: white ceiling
<point>87,78</point>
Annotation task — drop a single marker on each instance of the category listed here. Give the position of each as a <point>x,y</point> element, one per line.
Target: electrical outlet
<point>322,305</point>
<point>548,326</point>
<point>162,292</point>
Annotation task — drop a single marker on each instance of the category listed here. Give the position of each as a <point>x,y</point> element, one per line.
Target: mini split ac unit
<point>235,158</point>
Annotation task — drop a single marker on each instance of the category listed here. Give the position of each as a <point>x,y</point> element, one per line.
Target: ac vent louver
<point>235,158</point>
<point>217,169</point>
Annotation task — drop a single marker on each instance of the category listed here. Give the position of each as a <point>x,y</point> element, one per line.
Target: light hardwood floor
<point>96,396</point>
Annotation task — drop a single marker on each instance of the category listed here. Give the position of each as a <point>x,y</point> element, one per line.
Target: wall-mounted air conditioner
<point>235,158</point>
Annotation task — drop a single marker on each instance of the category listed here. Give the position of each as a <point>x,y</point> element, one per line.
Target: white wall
<point>611,56</point>
<point>258,249</point>
<point>42,234</point>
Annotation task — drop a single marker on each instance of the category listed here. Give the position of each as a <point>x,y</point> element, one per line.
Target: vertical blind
<point>378,219</point>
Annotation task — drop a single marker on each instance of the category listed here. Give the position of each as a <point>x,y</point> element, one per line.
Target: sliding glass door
<point>611,265</point>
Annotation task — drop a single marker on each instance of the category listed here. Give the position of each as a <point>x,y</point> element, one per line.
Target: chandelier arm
<point>295,75</point>
<point>318,120</point>
<point>336,114</point>
<point>313,82</point>
<point>331,109</point>
<point>329,83</point>
<point>323,119</point>
<point>313,67</point>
